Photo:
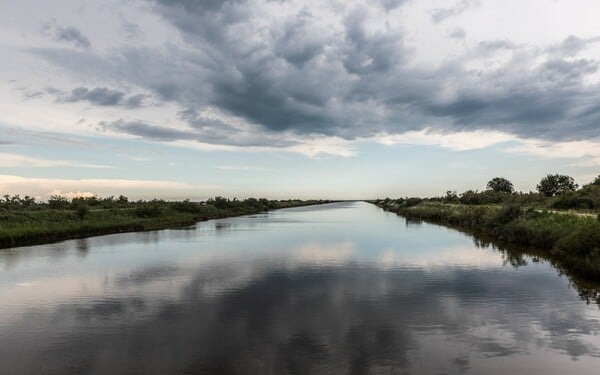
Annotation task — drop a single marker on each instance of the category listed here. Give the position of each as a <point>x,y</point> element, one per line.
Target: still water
<point>342,288</point>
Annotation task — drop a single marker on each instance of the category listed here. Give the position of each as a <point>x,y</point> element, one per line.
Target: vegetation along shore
<point>560,222</point>
<point>23,221</point>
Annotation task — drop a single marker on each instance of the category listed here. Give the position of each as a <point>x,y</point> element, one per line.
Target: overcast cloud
<point>307,75</point>
<point>341,69</point>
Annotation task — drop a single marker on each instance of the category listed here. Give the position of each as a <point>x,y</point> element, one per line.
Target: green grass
<point>40,224</point>
<point>570,242</point>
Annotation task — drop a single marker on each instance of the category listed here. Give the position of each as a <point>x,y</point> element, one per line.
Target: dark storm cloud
<point>100,96</point>
<point>67,34</point>
<point>144,130</point>
<point>365,53</point>
<point>298,44</point>
<point>134,101</point>
<point>303,78</point>
<point>201,130</point>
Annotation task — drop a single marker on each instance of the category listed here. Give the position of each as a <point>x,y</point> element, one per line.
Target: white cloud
<point>73,194</point>
<point>9,160</point>
<point>587,151</point>
<point>45,187</point>
<point>316,146</point>
<point>458,141</point>
<point>320,254</point>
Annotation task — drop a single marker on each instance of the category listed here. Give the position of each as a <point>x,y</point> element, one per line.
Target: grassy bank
<point>25,222</point>
<point>572,242</point>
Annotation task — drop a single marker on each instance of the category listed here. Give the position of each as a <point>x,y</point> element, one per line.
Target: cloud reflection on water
<point>250,302</point>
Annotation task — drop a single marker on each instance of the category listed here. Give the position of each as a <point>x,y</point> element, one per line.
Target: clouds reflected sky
<point>302,290</point>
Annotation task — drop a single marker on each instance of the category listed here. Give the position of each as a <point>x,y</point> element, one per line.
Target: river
<point>339,288</point>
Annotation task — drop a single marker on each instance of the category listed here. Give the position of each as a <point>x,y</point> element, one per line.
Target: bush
<point>471,197</point>
<point>508,213</point>
<point>58,202</point>
<point>82,211</point>
<point>583,241</point>
<point>186,206</point>
<point>573,200</point>
<point>411,202</point>
<point>148,210</point>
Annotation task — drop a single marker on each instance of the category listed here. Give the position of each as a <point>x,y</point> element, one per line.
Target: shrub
<point>508,213</point>
<point>582,241</point>
<point>573,200</point>
<point>82,211</point>
<point>186,206</point>
<point>148,210</point>
<point>411,202</point>
<point>58,202</point>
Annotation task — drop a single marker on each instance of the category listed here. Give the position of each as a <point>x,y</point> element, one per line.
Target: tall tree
<point>554,184</point>
<point>501,185</point>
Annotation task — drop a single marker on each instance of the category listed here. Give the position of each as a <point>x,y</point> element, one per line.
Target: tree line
<point>553,191</point>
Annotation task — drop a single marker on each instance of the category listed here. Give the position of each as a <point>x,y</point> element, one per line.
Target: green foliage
<point>82,211</point>
<point>58,202</point>
<point>582,241</point>
<point>471,197</point>
<point>24,221</point>
<point>500,185</point>
<point>451,197</point>
<point>573,200</point>
<point>508,213</point>
<point>148,210</point>
<point>17,202</point>
<point>186,206</point>
<point>554,184</point>
<point>528,219</point>
<point>573,242</point>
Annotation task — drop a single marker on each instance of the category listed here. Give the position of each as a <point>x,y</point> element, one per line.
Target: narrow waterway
<point>341,288</point>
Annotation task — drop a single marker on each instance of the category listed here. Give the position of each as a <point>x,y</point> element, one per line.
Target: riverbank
<point>570,241</point>
<point>44,223</point>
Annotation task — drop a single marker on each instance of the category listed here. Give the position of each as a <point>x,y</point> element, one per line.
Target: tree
<point>451,196</point>
<point>596,181</point>
<point>500,185</point>
<point>58,202</point>
<point>82,211</point>
<point>554,184</point>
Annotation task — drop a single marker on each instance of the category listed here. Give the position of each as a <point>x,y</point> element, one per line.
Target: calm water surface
<point>343,288</point>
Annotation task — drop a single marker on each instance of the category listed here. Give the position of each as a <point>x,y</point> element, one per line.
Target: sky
<point>282,99</point>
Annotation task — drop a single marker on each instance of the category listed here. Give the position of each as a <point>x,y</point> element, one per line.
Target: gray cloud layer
<point>442,14</point>
<point>100,96</point>
<point>300,76</point>
<point>67,34</point>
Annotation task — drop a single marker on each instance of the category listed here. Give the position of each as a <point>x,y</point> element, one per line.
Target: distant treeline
<point>558,192</point>
<point>23,220</point>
